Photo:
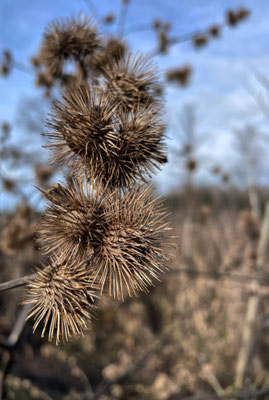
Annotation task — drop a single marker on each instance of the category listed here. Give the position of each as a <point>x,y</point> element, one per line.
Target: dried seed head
<point>132,252</point>
<point>64,297</point>
<point>123,237</point>
<point>157,24</point>
<point>214,30</point>
<point>109,18</point>
<point>45,79</point>
<point>113,50</point>
<point>163,41</point>
<point>43,173</point>
<point>6,63</point>
<point>6,128</point>
<point>199,40</point>
<point>72,223</point>
<point>8,185</point>
<point>100,139</point>
<point>132,81</point>
<point>179,75</point>
<point>65,39</point>
<point>242,13</point>
<point>35,61</point>
<point>231,17</point>
<point>191,165</point>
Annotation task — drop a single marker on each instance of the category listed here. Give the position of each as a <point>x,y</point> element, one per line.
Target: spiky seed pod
<point>97,137</point>
<point>123,237</point>
<point>6,129</point>
<point>8,185</point>
<point>109,18</point>
<point>132,252</point>
<point>45,79</point>
<point>113,50</point>
<point>191,165</point>
<point>157,24</point>
<point>231,17</point>
<point>163,41</point>
<point>64,297</point>
<point>43,173</point>
<point>7,56</point>
<point>179,75</point>
<point>35,61</point>
<point>132,81</point>
<point>199,40</point>
<point>73,221</point>
<point>242,13</point>
<point>214,30</point>
<point>5,69</point>
<point>65,39</point>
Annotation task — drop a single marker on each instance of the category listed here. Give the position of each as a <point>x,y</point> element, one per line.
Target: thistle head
<point>63,296</point>
<point>123,236</point>
<point>65,39</point>
<point>132,81</point>
<point>72,224</point>
<point>101,140</point>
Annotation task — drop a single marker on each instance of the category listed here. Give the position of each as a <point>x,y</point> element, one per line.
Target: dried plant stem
<point>17,282</point>
<point>186,38</point>
<point>252,308</point>
<point>241,395</point>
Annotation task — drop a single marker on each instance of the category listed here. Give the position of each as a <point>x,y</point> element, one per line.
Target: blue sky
<point>224,71</point>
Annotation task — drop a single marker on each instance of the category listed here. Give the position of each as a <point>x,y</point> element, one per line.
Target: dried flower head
<point>132,81</point>
<point>6,128</point>
<point>231,17</point>
<point>35,61</point>
<point>124,237</point>
<point>44,78</point>
<point>100,139</point>
<point>6,63</point>
<point>131,255</point>
<point>43,173</point>
<point>199,40</point>
<point>163,41</point>
<point>109,18</point>
<point>113,50</point>
<point>72,222</point>
<point>242,13</point>
<point>64,297</point>
<point>179,75</point>
<point>65,39</point>
<point>191,165</point>
<point>9,185</point>
<point>214,30</point>
<point>157,24</point>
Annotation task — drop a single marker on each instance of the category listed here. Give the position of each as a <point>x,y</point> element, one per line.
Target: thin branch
<point>122,17</point>
<point>94,10</point>
<point>15,283</point>
<point>241,395</point>
<point>186,37</point>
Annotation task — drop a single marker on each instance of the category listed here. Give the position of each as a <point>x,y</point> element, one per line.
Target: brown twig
<point>15,283</point>
<point>253,306</point>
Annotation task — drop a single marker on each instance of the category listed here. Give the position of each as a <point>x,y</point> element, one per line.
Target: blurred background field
<point>203,331</point>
